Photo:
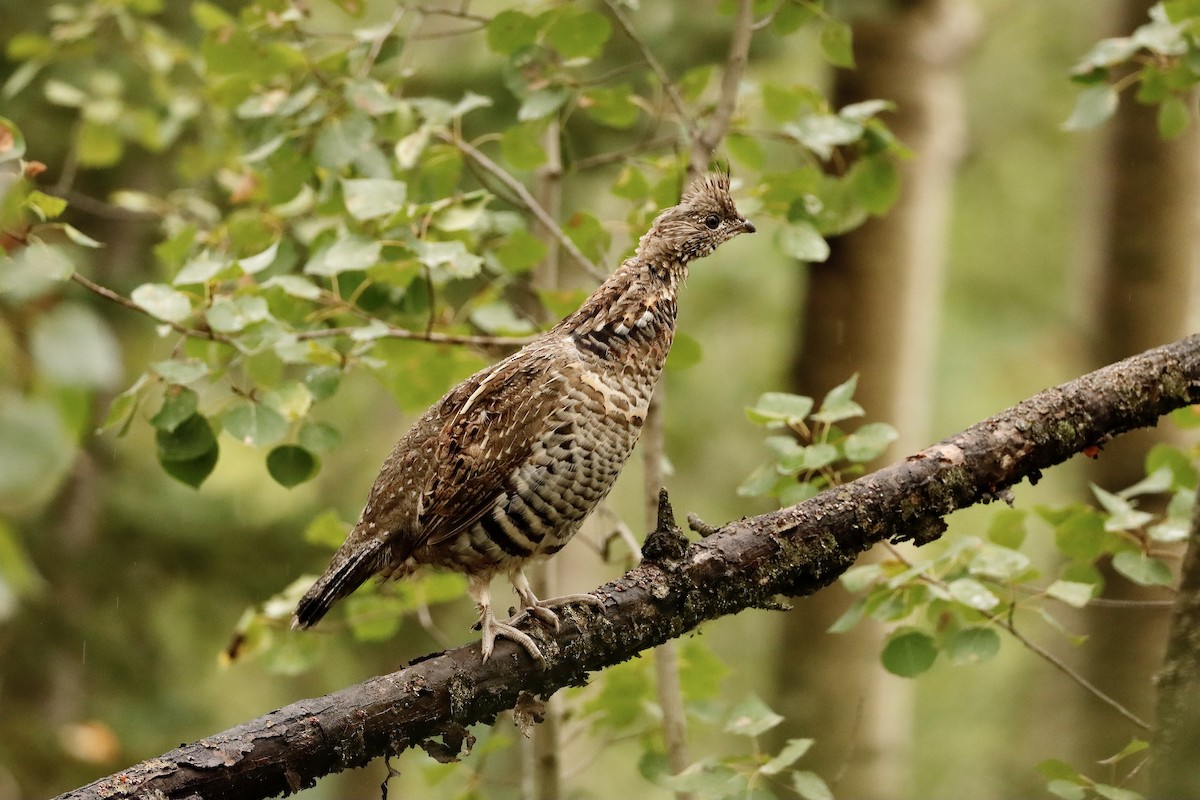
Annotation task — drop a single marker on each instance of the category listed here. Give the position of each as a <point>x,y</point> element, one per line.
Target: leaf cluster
<point>811,451</point>
<point>1161,58</point>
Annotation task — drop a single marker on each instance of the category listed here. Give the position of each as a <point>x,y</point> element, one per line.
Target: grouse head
<point>704,218</point>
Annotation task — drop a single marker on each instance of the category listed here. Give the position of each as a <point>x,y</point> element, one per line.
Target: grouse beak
<point>748,226</point>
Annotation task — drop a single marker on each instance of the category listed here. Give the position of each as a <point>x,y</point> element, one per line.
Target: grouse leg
<point>493,628</point>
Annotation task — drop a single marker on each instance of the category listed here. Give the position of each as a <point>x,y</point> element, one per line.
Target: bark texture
<point>1173,772</point>
<point>793,551</point>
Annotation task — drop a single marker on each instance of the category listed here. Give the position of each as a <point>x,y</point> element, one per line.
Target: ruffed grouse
<point>506,466</point>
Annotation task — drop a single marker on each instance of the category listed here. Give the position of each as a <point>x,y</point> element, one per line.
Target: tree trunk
<point>872,309</point>
<point>1142,288</point>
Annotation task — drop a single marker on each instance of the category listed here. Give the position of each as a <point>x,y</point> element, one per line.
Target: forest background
<point>132,611</point>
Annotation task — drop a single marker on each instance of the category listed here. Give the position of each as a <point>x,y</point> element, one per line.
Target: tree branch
<point>792,551</point>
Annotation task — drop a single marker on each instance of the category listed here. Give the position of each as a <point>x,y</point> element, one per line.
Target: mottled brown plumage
<point>507,465</point>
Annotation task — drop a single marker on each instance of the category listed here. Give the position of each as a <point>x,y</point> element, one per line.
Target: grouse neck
<point>633,311</point>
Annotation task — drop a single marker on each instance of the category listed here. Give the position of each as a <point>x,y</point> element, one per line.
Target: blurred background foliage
<point>271,208</point>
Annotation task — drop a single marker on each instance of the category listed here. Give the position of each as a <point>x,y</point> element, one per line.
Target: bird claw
<point>542,609</point>
<point>493,628</point>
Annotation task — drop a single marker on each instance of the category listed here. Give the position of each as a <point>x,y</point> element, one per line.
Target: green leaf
<point>1106,53</point>
<point>1067,790</point>
<point>811,786</point>
<point>1174,117</point>
<point>821,133</point>
<point>188,452</point>
<point>1134,747</point>
<point>746,150</point>
<point>201,269</point>
<point>73,346</point>
<point>520,251</point>
<point>162,302</point>
<point>319,437</point>
<point>1057,769</point>
<point>789,754</point>
<point>812,457</point>
<point>1122,515</point>
<point>774,409</point>
<point>875,182</point>
<point>34,270</point>
<point>322,382</point>
<point>252,265</point>
<point>254,424</point>
<point>999,563</point>
<point>190,439</point>
<point>611,106</point>
<point>98,145</point>
<point>869,441</point>
<point>327,530</point>
<point>908,653</point>
<point>1163,456</point>
<point>791,17</point>
<point>451,259</point>
<point>1156,481</point>
<point>972,645</point>
<point>542,103</point>
<point>1007,527</point>
<point>347,252</point>
<point>294,286</point>
<point>521,146</point>
<point>1115,792</point>
<point>500,319</point>
<point>179,404</point>
<point>700,671</point>
<point>861,577</point>
<point>837,44</point>
<point>373,617</point>
<point>838,404</point>
<point>183,370</point>
<point>343,139</point>
<point>291,465</point>
<point>1143,569</point>
<point>12,142</point>
<point>510,31</point>
<point>751,717</point>
<point>37,451</point>
<point>234,314</point>
<point>1081,536</point>
<point>849,617</point>
<point>588,234</point>
<point>803,242</point>
<point>578,35</point>
<point>1181,11</point>
<point>1093,106</point>
<point>1073,593</point>
<point>46,206</point>
<point>973,594</point>
<point>372,198</point>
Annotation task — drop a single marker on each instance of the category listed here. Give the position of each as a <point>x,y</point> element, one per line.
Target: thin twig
<point>624,154</point>
<point>1062,667</point>
<point>384,35</point>
<point>656,67</point>
<point>393,332</point>
<point>735,67</point>
<point>389,331</point>
<point>121,300</point>
<point>527,199</point>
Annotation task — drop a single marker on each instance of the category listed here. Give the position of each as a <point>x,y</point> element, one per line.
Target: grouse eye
<point>712,222</point>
